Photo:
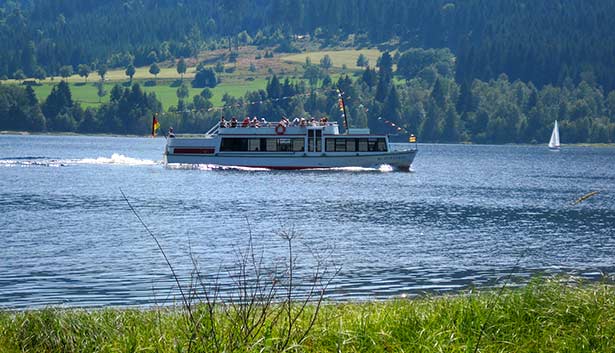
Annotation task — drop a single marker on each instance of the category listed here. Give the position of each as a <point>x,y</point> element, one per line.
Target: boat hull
<point>400,160</point>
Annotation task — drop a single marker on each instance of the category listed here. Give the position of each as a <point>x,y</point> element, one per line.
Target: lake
<point>465,217</point>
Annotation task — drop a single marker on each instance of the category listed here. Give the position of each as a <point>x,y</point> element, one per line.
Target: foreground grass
<point>545,316</point>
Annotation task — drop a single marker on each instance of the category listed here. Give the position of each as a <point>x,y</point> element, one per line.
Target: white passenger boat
<point>284,146</point>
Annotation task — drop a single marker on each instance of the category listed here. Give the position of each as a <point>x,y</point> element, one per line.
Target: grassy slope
<point>338,57</point>
<point>542,317</point>
<point>236,83</point>
<point>87,94</point>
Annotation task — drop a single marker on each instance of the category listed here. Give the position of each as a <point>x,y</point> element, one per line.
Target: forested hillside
<point>484,71</point>
<point>543,41</point>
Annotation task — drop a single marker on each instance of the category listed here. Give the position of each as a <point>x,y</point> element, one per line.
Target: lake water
<point>463,218</point>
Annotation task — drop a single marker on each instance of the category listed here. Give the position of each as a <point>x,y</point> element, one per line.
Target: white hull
<point>290,160</point>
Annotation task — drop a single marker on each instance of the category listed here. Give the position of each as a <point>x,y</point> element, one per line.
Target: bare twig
<point>185,298</point>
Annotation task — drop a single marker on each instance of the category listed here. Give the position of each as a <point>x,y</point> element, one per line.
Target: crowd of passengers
<point>255,123</point>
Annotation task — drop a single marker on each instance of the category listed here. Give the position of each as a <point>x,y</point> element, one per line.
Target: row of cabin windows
<point>264,144</point>
<point>356,145</point>
<point>297,145</point>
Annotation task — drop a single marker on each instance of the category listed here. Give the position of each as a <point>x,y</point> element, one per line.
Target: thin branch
<point>181,291</point>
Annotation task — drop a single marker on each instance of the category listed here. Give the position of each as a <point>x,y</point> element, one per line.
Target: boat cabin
<point>307,139</point>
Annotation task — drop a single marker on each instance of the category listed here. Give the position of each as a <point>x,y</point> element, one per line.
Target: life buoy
<point>280,129</point>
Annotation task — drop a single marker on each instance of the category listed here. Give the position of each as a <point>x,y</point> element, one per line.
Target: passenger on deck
<point>302,122</point>
<point>296,122</point>
<point>254,122</point>
<point>233,122</point>
<point>171,134</point>
<point>223,122</point>
<point>313,121</point>
<point>263,122</point>
<point>323,121</point>
<point>245,122</point>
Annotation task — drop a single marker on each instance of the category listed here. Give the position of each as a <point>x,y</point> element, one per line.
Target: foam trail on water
<point>384,168</point>
<point>115,159</point>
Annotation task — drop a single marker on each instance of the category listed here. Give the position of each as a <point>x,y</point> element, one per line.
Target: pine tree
<point>382,89</point>
<point>438,94</point>
<point>154,69</point>
<point>385,64</point>
<point>102,71</point>
<point>362,61</point>
<point>181,67</point>
<point>84,71</point>
<point>450,130</point>
<point>274,89</point>
<point>31,96</point>
<point>130,71</point>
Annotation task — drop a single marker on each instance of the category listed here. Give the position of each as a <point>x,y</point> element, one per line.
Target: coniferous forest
<point>485,71</point>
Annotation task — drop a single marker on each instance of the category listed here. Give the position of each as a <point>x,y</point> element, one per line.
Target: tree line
<point>543,41</point>
<point>419,95</point>
<point>129,111</point>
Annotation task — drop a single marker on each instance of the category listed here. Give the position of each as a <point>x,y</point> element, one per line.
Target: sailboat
<point>554,142</point>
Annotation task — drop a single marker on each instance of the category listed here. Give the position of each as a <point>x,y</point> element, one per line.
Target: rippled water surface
<point>463,218</point>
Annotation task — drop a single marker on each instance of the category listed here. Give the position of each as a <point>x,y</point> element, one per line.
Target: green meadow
<point>235,83</point>
<point>339,58</point>
<point>87,93</point>
<point>544,316</point>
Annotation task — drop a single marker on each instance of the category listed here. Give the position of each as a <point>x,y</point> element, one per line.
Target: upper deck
<point>275,128</point>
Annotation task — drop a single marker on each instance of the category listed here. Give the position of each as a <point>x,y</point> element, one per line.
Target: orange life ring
<point>280,129</point>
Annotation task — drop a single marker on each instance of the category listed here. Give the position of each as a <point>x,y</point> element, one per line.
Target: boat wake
<point>119,159</point>
<point>384,168</point>
<point>115,159</point>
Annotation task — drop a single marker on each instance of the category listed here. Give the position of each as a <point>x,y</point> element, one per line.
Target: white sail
<point>554,142</point>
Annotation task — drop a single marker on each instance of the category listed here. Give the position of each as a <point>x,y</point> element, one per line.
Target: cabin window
<point>330,145</point>
<point>340,145</point>
<point>351,145</point>
<point>272,145</point>
<point>298,145</point>
<point>346,145</point>
<point>284,145</point>
<point>264,144</point>
<point>372,145</point>
<point>382,145</point>
<point>254,145</point>
<point>363,146</point>
<point>234,144</point>
<point>314,140</point>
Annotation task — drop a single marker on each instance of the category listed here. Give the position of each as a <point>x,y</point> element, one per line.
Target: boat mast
<point>342,104</point>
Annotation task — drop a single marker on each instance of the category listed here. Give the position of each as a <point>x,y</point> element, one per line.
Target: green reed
<point>547,315</point>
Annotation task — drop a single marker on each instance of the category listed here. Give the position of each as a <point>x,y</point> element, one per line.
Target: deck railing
<point>269,124</point>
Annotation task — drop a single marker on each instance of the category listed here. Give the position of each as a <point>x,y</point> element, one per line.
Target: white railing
<point>240,125</point>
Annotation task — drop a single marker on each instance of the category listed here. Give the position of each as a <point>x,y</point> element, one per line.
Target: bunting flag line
<point>342,106</point>
<point>393,125</point>
<point>240,104</point>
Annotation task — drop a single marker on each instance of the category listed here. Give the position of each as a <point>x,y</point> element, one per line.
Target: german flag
<point>155,125</point>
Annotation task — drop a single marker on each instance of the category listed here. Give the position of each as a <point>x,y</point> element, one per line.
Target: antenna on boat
<point>342,106</point>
